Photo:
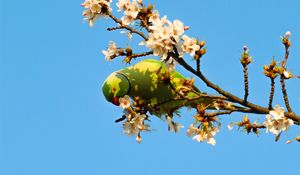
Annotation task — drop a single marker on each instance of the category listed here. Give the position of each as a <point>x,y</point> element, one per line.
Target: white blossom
<point>123,4</point>
<point>124,102</point>
<point>217,105</point>
<point>211,141</point>
<point>95,9</point>
<point>288,34</point>
<point>171,63</point>
<point>135,125</point>
<point>138,138</point>
<point>230,126</point>
<point>287,74</point>
<point>189,45</point>
<point>154,17</point>
<point>276,122</point>
<point>205,134</point>
<point>127,19</point>
<point>111,51</point>
<point>178,28</point>
<point>131,10</point>
<point>278,112</point>
<point>164,35</point>
<point>192,130</point>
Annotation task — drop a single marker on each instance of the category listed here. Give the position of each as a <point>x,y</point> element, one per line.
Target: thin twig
<point>246,82</point>
<point>271,93</point>
<point>259,126</point>
<point>213,114</point>
<point>144,23</point>
<point>286,56</point>
<point>141,54</point>
<point>132,30</point>
<point>282,80</point>
<point>114,28</point>
<point>285,95</point>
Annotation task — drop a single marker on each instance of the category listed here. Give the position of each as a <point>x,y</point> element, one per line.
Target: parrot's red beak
<point>115,101</point>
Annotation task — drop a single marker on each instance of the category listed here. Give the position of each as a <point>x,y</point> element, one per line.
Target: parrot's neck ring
<point>124,75</point>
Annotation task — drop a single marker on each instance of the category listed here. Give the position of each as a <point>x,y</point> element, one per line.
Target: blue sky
<point>55,120</point>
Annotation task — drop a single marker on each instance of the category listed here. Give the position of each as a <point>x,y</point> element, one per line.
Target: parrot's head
<point>115,86</point>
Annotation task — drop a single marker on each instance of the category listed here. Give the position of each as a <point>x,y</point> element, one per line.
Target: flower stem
<point>122,26</point>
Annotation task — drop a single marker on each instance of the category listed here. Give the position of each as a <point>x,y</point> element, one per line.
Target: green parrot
<point>143,80</point>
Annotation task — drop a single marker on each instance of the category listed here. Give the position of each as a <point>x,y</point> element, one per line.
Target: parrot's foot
<point>120,119</point>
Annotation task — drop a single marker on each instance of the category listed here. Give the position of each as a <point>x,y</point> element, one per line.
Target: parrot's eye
<point>115,101</point>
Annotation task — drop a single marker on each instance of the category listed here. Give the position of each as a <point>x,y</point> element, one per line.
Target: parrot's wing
<point>145,83</point>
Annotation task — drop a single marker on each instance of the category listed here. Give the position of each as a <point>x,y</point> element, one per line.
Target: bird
<point>163,91</point>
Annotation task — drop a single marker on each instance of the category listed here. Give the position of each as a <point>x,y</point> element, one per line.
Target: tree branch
<point>198,65</point>
<point>271,93</point>
<point>255,108</point>
<point>285,95</point>
<point>246,82</point>
<point>282,77</point>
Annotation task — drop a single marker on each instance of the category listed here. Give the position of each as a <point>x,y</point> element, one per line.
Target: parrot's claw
<point>120,119</point>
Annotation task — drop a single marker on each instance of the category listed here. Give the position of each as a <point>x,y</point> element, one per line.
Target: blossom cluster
<point>274,69</point>
<point>111,52</point>
<point>276,122</point>
<point>95,9</point>
<point>135,122</point>
<point>204,133</point>
<point>131,10</point>
<point>165,35</point>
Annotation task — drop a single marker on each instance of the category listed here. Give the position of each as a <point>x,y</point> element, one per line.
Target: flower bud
<point>186,28</point>
<point>128,51</point>
<point>288,142</point>
<point>245,49</point>
<point>203,51</point>
<point>273,64</point>
<point>138,138</point>
<point>297,138</point>
<point>202,44</point>
<point>288,34</point>
<point>143,10</point>
<point>127,59</point>
<point>150,7</point>
<point>246,119</point>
